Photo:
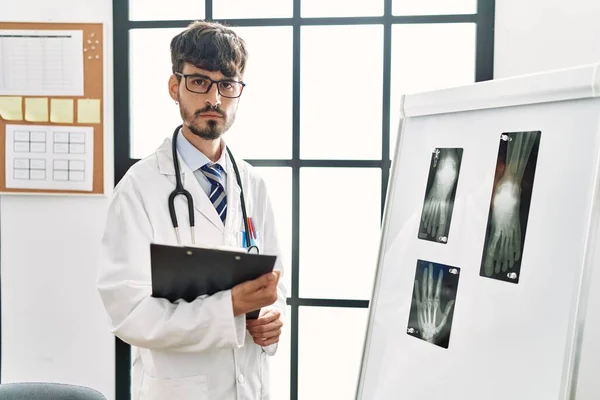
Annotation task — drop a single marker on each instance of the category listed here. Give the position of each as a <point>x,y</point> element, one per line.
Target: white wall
<point>53,324</point>
<point>537,35</point>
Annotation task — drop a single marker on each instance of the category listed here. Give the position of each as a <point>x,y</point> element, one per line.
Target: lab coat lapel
<point>201,201</point>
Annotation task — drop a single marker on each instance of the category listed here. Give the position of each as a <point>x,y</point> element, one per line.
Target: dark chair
<point>47,391</point>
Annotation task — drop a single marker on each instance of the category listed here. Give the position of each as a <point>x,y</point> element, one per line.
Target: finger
<point>277,274</point>
<point>506,256</point>
<point>419,305</point>
<point>502,252</point>
<point>497,256</point>
<point>424,285</point>
<point>488,267</point>
<point>438,287</point>
<point>511,251</point>
<point>266,327</point>
<point>448,308</point>
<point>430,293</point>
<point>429,220</point>
<point>436,219</point>
<point>420,318</point>
<point>518,244</point>
<point>267,342</point>
<point>267,334</point>
<point>446,313</point>
<point>268,317</point>
<point>418,297</point>
<point>264,313</point>
<point>430,282</point>
<point>432,218</point>
<point>443,215</point>
<point>493,244</point>
<point>436,301</point>
<point>425,211</point>
<point>442,230</point>
<point>260,282</point>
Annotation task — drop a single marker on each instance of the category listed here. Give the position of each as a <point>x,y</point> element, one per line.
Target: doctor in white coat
<point>204,349</point>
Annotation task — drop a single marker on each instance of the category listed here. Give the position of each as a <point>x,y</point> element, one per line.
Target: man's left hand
<point>266,329</point>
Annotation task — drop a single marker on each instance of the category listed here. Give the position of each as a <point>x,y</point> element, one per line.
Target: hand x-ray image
<point>432,308</point>
<point>509,206</point>
<point>439,194</point>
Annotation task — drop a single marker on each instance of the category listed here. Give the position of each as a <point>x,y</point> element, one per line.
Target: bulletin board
<point>51,108</point>
<point>487,242</point>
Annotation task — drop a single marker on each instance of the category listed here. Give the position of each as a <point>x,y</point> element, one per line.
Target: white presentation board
<point>484,257</point>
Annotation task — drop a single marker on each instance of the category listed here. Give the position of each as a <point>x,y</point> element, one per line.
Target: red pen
<point>251,227</point>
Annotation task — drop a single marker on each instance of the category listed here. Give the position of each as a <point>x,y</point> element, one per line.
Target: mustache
<point>209,108</point>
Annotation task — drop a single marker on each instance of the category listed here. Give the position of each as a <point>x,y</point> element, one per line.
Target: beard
<point>212,130</point>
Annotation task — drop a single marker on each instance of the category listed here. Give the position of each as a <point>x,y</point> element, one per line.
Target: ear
<point>174,87</point>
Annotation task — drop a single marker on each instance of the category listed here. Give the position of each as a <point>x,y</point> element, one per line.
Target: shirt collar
<point>193,157</point>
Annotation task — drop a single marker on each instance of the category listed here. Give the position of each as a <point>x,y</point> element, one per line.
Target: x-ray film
<point>440,192</point>
<point>433,300</point>
<point>509,206</point>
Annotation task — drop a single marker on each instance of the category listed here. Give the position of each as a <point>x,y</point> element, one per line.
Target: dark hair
<point>211,46</point>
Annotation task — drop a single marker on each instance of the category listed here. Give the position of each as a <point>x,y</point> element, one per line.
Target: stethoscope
<point>179,190</point>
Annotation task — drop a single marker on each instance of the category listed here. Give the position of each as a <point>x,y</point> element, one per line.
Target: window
<point>338,69</point>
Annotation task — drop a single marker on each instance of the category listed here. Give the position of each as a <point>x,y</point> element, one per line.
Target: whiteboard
<point>503,229</point>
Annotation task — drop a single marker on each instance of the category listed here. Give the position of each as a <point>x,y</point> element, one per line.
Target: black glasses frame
<point>212,82</point>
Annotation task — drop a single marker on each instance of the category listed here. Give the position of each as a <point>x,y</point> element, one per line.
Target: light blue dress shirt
<point>195,159</point>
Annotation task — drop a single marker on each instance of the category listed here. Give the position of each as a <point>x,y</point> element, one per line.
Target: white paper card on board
<point>41,63</point>
<point>49,157</point>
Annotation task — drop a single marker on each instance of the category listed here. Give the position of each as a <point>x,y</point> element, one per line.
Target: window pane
<point>263,127</point>
<point>147,10</point>
<point>153,114</point>
<point>428,57</point>
<point>279,185</point>
<point>428,7</point>
<point>340,210</point>
<point>341,92</point>
<point>330,346</point>
<point>341,8</point>
<point>252,9</point>
<point>280,362</point>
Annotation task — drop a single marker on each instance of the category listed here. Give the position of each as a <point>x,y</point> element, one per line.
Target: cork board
<point>70,123</point>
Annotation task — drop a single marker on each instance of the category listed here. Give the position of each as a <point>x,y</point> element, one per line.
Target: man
<point>206,348</point>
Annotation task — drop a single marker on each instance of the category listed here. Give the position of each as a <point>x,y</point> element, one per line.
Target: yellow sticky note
<point>61,110</point>
<point>36,110</point>
<point>88,111</point>
<point>11,108</point>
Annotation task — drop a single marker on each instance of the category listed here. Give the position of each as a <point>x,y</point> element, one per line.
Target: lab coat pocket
<point>243,243</point>
<point>190,388</point>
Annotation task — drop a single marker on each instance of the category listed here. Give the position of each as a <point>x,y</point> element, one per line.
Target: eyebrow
<point>199,75</point>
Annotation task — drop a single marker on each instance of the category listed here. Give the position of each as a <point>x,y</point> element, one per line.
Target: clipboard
<point>185,273</point>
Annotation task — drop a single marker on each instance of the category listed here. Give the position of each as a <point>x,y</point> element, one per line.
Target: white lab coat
<point>194,350</point>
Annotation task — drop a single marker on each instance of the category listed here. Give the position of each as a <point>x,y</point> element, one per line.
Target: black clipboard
<point>185,273</point>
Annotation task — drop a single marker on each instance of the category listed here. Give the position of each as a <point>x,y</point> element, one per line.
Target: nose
<point>213,97</point>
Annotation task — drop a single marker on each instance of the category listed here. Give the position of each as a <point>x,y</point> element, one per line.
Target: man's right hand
<point>252,295</point>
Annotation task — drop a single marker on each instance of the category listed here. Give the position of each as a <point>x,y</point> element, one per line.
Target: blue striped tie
<point>214,173</point>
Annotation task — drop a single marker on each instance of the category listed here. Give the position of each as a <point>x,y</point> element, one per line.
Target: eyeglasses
<point>202,84</point>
